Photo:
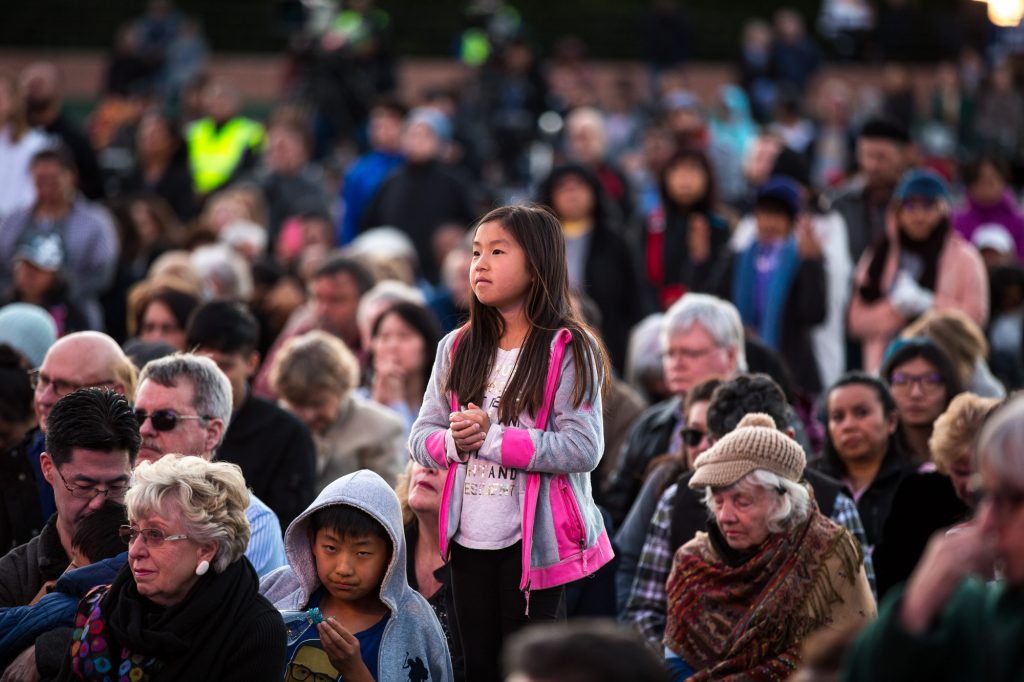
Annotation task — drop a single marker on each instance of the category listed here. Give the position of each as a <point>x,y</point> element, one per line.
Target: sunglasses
<point>163,420</point>
<point>692,437</point>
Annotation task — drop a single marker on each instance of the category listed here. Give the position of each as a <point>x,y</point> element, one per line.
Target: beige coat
<point>366,435</point>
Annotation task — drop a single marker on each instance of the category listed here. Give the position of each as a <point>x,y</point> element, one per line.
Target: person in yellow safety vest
<point>224,144</point>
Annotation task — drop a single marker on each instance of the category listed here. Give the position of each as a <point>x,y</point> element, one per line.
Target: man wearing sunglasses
<point>73,362</point>
<point>91,443</point>
<point>274,448</point>
<point>183,407</point>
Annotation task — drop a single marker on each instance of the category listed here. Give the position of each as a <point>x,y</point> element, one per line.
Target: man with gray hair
<point>702,337</point>
<point>183,406</point>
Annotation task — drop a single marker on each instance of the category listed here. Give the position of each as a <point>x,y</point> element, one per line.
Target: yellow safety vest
<point>214,154</point>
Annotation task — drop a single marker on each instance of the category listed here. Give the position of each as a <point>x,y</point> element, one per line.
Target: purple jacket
<point>971,215</point>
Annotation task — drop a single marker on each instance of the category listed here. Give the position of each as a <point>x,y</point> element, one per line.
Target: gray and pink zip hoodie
<point>564,537</point>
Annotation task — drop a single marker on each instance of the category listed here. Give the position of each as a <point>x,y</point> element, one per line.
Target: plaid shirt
<point>648,602</point>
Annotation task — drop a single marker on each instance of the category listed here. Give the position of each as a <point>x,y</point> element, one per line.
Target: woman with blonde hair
<point>964,343</point>
<point>953,438</point>
<point>187,604</point>
<point>316,377</point>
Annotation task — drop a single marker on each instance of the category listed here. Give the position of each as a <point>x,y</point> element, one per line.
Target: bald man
<point>42,86</point>
<point>76,361</point>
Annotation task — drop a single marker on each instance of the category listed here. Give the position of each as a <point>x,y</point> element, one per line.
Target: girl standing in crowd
<point>918,264</point>
<point>513,412</point>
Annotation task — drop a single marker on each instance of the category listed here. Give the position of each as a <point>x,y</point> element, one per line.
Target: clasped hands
<point>469,429</point>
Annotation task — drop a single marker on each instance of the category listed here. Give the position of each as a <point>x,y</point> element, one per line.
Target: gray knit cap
<point>754,444</point>
<point>28,329</point>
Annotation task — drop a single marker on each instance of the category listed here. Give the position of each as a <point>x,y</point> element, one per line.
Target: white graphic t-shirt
<point>490,496</point>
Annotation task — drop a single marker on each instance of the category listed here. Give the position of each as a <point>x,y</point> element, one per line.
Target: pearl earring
<point>203,567</point>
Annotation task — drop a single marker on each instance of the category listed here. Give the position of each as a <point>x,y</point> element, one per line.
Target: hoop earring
<point>203,567</point>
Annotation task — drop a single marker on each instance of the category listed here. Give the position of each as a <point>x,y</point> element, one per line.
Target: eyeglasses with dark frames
<point>87,492</point>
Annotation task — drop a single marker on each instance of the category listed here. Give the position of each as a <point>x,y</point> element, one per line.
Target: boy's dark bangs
<point>347,521</point>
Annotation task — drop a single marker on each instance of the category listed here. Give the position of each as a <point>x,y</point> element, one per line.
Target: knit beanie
<point>433,119</point>
<point>28,329</point>
<point>754,444</point>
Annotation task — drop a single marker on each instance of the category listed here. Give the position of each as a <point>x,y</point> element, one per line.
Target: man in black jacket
<point>92,438</point>
<point>273,448</point>
<point>702,338</point>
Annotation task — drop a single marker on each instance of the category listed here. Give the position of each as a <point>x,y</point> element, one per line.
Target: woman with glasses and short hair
<point>923,381</point>
<point>187,605</point>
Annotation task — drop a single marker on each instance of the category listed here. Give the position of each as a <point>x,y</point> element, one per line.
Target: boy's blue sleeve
<point>20,625</point>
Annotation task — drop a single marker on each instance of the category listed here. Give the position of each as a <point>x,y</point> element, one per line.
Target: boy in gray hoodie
<point>347,556</point>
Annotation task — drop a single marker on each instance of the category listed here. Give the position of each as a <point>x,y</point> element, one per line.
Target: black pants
<point>491,607</point>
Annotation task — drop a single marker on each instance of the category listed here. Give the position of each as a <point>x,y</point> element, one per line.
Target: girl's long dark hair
<point>547,308</point>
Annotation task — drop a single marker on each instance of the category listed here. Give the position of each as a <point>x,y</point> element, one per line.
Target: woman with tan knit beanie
<point>771,570</point>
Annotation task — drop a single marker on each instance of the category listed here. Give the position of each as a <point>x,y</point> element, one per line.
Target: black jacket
<point>614,280</point>
<point>648,438</point>
<point>277,456</point>
<point>90,177</point>
<point>875,502</point>
<point>21,515</point>
<point>25,568</point>
<point>175,187</point>
<point>418,199</point>
<point>922,504</point>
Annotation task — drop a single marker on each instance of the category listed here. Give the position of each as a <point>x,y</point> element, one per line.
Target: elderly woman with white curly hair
<point>771,570</point>
<point>187,604</point>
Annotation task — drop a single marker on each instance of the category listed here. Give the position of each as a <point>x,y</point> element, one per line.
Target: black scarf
<point>188,638</point>
<point>928,249</point>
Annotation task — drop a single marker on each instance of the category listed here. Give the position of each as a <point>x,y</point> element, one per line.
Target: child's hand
<point>43,591</point>
<point>469,428</point>
<point>342,648</point>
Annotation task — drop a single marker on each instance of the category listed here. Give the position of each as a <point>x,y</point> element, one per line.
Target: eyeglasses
<point>61,388</point>
<point>692,437</point>
<point>688,353</point>
<point>88,492</point>
<point>163,420</point>
<point>901,381</point>
<point>302,673</point>
<point>151,537</point>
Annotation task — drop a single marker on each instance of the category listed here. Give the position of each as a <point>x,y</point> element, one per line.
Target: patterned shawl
<point>748,619</point>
